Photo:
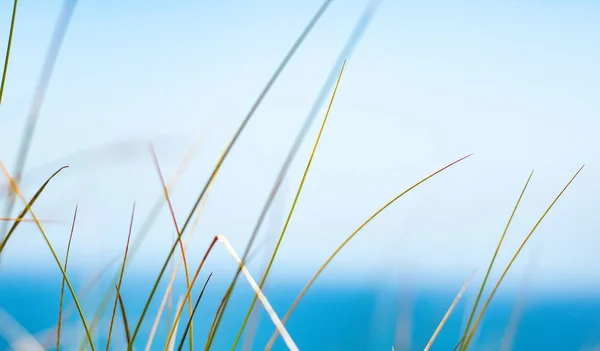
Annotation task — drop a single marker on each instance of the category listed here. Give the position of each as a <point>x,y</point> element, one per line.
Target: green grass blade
<point>189,323</point>
<point>62,288</point>
<point>487,274</point>
<point>322,268</point>
<point>8,47</point>
<point>472,332</point>
<point>122,271</point>
<point>124,316</point>
<point>289,217</point>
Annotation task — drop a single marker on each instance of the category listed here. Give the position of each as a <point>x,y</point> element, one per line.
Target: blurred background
<point>516,83</point>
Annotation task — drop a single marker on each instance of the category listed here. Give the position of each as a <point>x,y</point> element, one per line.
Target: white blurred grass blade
<point>16,335</point>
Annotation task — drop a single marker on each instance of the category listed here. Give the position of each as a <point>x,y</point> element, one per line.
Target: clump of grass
<point>132,328</point>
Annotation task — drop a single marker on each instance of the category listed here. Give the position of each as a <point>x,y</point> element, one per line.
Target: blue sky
<point>514,82</point>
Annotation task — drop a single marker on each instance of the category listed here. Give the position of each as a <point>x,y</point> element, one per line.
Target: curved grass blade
<point>123,315</point>
<point>322,268</point>
<point>185,265</point>
<point>17,191</point>
<point>118,293</point>
<point>59,33</point>
<point>62,288</point>
<point>472,332</point>
<point>487,274</point>
<point>349,47</point>
<point>289,217</point>
<point>441,325</point>
<point>8,47</point>
<point>187,327</point>
<point>27,207</point>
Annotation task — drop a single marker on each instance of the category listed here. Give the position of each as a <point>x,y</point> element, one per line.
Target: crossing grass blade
<point>123,315</point>
<point>289,217</point>
<point>484,308</point>
<point>17,191</point>
<point>322,268</point>
<point>145,228</point>
<point>122,271</point>
<point>62,288</point>
<point>187,294</point>
<point>491,265</point>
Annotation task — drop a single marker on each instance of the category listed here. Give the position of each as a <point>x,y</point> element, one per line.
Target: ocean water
<point>331,317</point>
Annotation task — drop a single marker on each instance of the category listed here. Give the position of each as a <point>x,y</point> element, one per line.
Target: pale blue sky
<point>516,83</point>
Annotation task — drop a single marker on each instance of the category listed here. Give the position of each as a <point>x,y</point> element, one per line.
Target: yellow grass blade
<point>289,217</point>
<point>62,288</point>
<point>314,278</point>
<point>472,332</point>
<point>487,274</point>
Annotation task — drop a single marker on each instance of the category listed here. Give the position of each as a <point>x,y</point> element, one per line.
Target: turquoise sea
<point>331,317</point>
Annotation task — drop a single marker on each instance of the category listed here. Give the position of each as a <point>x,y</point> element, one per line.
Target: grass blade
<point>472,332</point>
<point>27,207</point>
<point>287,222</point>
<point>124,316</point>
<point>487,274</point>
<point>187,327</point>
<point>345,54</point>
<point>314,278</point>
<point>118,293</point>
<point>62,288</point>
<point>8,47</point>
<point>441,325</point>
